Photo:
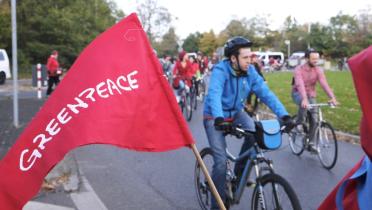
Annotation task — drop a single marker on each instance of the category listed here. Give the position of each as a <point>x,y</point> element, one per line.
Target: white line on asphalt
<point>88,199</point>
<point>32,205</point>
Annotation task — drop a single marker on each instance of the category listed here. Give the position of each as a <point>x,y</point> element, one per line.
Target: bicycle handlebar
<point>321,104</point>
<point>239,132</point>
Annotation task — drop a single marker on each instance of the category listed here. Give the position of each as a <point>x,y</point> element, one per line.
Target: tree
<point>191,43</point>
<point>168,44</point>
<point>48,25</point>
<point>154,18</point>
<point>344,29</point>
<point>5,25</point>
<point>208,42</point>
<point>297,34</point>
<point>234,28</point>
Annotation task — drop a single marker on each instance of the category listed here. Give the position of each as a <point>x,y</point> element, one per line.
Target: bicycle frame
<point>320,115</point>
<point>255,157</point>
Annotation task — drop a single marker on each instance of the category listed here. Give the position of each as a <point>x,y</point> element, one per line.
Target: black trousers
<point>53,80</point>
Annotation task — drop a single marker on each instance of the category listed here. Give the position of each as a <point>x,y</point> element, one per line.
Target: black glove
<point>221,125</point>
<point>288,123</point>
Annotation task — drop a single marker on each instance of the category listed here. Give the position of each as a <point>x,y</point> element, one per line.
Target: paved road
<point>115,178</point>
<point>131,180</point>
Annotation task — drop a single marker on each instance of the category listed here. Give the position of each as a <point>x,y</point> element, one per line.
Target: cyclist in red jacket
<point>182,71</point>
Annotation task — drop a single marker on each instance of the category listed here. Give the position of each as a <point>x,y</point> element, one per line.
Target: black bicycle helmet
<point>234,44</point>
<point>309,51</point>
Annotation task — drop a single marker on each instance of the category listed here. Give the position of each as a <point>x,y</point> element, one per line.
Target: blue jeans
<point>301,115</point>
<point>217,143</point>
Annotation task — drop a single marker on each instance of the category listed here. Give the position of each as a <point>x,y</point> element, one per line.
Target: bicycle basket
<point>268,134</point>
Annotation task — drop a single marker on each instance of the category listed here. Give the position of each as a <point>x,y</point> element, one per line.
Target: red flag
<point>115,93</point>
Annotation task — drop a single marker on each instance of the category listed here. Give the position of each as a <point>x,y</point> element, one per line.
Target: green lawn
<point>345,117</point>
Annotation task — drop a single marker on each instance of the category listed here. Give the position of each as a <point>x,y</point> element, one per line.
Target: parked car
<point>297,58</point>
<point>271,60</point>
<point>4,66</point>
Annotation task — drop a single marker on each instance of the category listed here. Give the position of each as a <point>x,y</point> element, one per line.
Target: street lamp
<point>288,42</point>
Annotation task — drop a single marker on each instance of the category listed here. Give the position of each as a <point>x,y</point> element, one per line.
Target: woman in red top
<point>182,71</point>
<point>53,74</point>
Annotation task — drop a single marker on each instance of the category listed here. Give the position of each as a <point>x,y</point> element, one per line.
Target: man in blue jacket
<point>231,81</point>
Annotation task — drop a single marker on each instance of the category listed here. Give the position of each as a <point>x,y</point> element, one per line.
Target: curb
<point>65,173</point>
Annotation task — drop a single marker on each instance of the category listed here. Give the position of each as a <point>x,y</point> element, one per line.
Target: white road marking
<point>32,205</point>
<point>88,199</point>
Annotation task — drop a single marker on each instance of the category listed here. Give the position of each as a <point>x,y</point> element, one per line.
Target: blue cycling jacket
<point>227,92</point>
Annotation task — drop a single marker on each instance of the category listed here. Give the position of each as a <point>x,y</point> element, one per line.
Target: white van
<point>297,58</point>
<point>265,58</point>
<point>4,66</point>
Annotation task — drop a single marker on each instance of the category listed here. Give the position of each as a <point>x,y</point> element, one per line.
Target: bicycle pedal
<point>312,149</point>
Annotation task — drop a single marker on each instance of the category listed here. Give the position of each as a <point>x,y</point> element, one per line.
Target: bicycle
<point>325,142</point>
<point>271,191</point>
<point>201,88</point>
<point>193,93</point>
<point>185,102</point>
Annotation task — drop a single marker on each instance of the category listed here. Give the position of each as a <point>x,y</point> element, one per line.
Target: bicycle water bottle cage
<point>268,134</point>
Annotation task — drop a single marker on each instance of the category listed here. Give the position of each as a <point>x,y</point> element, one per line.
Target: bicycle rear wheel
<point>327,145</point>
<point>297,138</point>
<point>201,185</point>
<point>273,192</point>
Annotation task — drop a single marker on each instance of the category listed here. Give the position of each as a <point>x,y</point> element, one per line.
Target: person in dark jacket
<point>231,81</point>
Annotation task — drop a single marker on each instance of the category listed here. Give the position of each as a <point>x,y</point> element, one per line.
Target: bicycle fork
<point>261,196</point>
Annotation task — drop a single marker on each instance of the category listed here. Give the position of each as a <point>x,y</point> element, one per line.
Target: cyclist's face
<point>245,58</point>
<point>313,59</point>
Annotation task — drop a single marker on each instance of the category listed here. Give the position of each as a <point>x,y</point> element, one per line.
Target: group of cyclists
<point>232,81</point>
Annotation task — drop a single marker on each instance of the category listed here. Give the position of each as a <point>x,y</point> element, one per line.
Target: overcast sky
<point>203,15</point>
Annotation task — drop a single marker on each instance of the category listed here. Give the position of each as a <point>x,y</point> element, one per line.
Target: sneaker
<point>251,183</point>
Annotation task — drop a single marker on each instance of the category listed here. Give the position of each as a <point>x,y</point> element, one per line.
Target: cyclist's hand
<point>222,125</point>
<point>304,103</point>
<point>333,101</point>
<point>288,123</point>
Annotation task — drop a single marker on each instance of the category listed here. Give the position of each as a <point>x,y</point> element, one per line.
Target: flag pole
<point>206,174</point>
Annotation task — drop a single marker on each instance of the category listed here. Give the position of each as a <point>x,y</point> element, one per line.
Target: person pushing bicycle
<point>303,88</point>
<point>231,81</point>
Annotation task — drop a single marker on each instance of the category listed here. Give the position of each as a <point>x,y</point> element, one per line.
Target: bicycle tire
<point>297,138</point>
<point>275,181</point>
<point>201,91</point>
<point>203,192</point>
<point>327,145</point>
<point>194,100</point>
<point>188,107</point>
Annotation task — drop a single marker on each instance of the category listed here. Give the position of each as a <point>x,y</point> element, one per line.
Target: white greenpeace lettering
<point>132,82</point>
<point>63,116</point>
<point>31,160</point>
<point>85,98</point>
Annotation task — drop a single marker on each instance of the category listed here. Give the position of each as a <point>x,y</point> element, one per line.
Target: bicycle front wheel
<point>273,192</point>
<point>201,185</point>
<point>194,101</point>
<point>188,107</point>
<point>327,145</point>
<point>297,138</point>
